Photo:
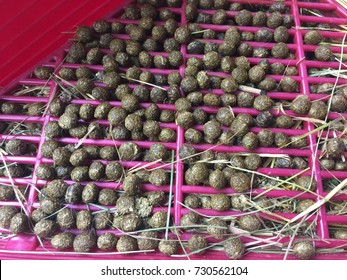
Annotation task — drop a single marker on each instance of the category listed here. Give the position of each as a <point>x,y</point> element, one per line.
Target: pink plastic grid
<point>28,244</point>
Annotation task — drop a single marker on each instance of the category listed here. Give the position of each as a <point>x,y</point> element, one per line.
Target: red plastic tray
<point>29,26</point>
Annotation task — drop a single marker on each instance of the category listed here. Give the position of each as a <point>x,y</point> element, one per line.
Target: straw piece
<point>80,142</point>
<point>312,120</point>
<point>71,85</point>
<point>252,90</point>
<point>343,3</point>
<point>321,28</point>
<point>273,178</point>
<point>283,182</point>
<point>313,131</point>
<point>180,241</point>
<point>240,232</point>
<point>170,196</point>
<point>263,210</point>
<point>51,97</point>
<point>141,82</point>
<point>200,31</point>
<point>319,203</point>
<point>56,212</point>
<point>292,239</point>
<point>136,168</point>
<point>30,89</point>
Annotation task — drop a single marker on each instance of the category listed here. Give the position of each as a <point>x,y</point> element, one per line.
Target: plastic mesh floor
<point>319,226</point>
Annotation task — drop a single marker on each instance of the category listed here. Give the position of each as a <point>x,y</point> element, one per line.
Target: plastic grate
<point>334,15</point>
